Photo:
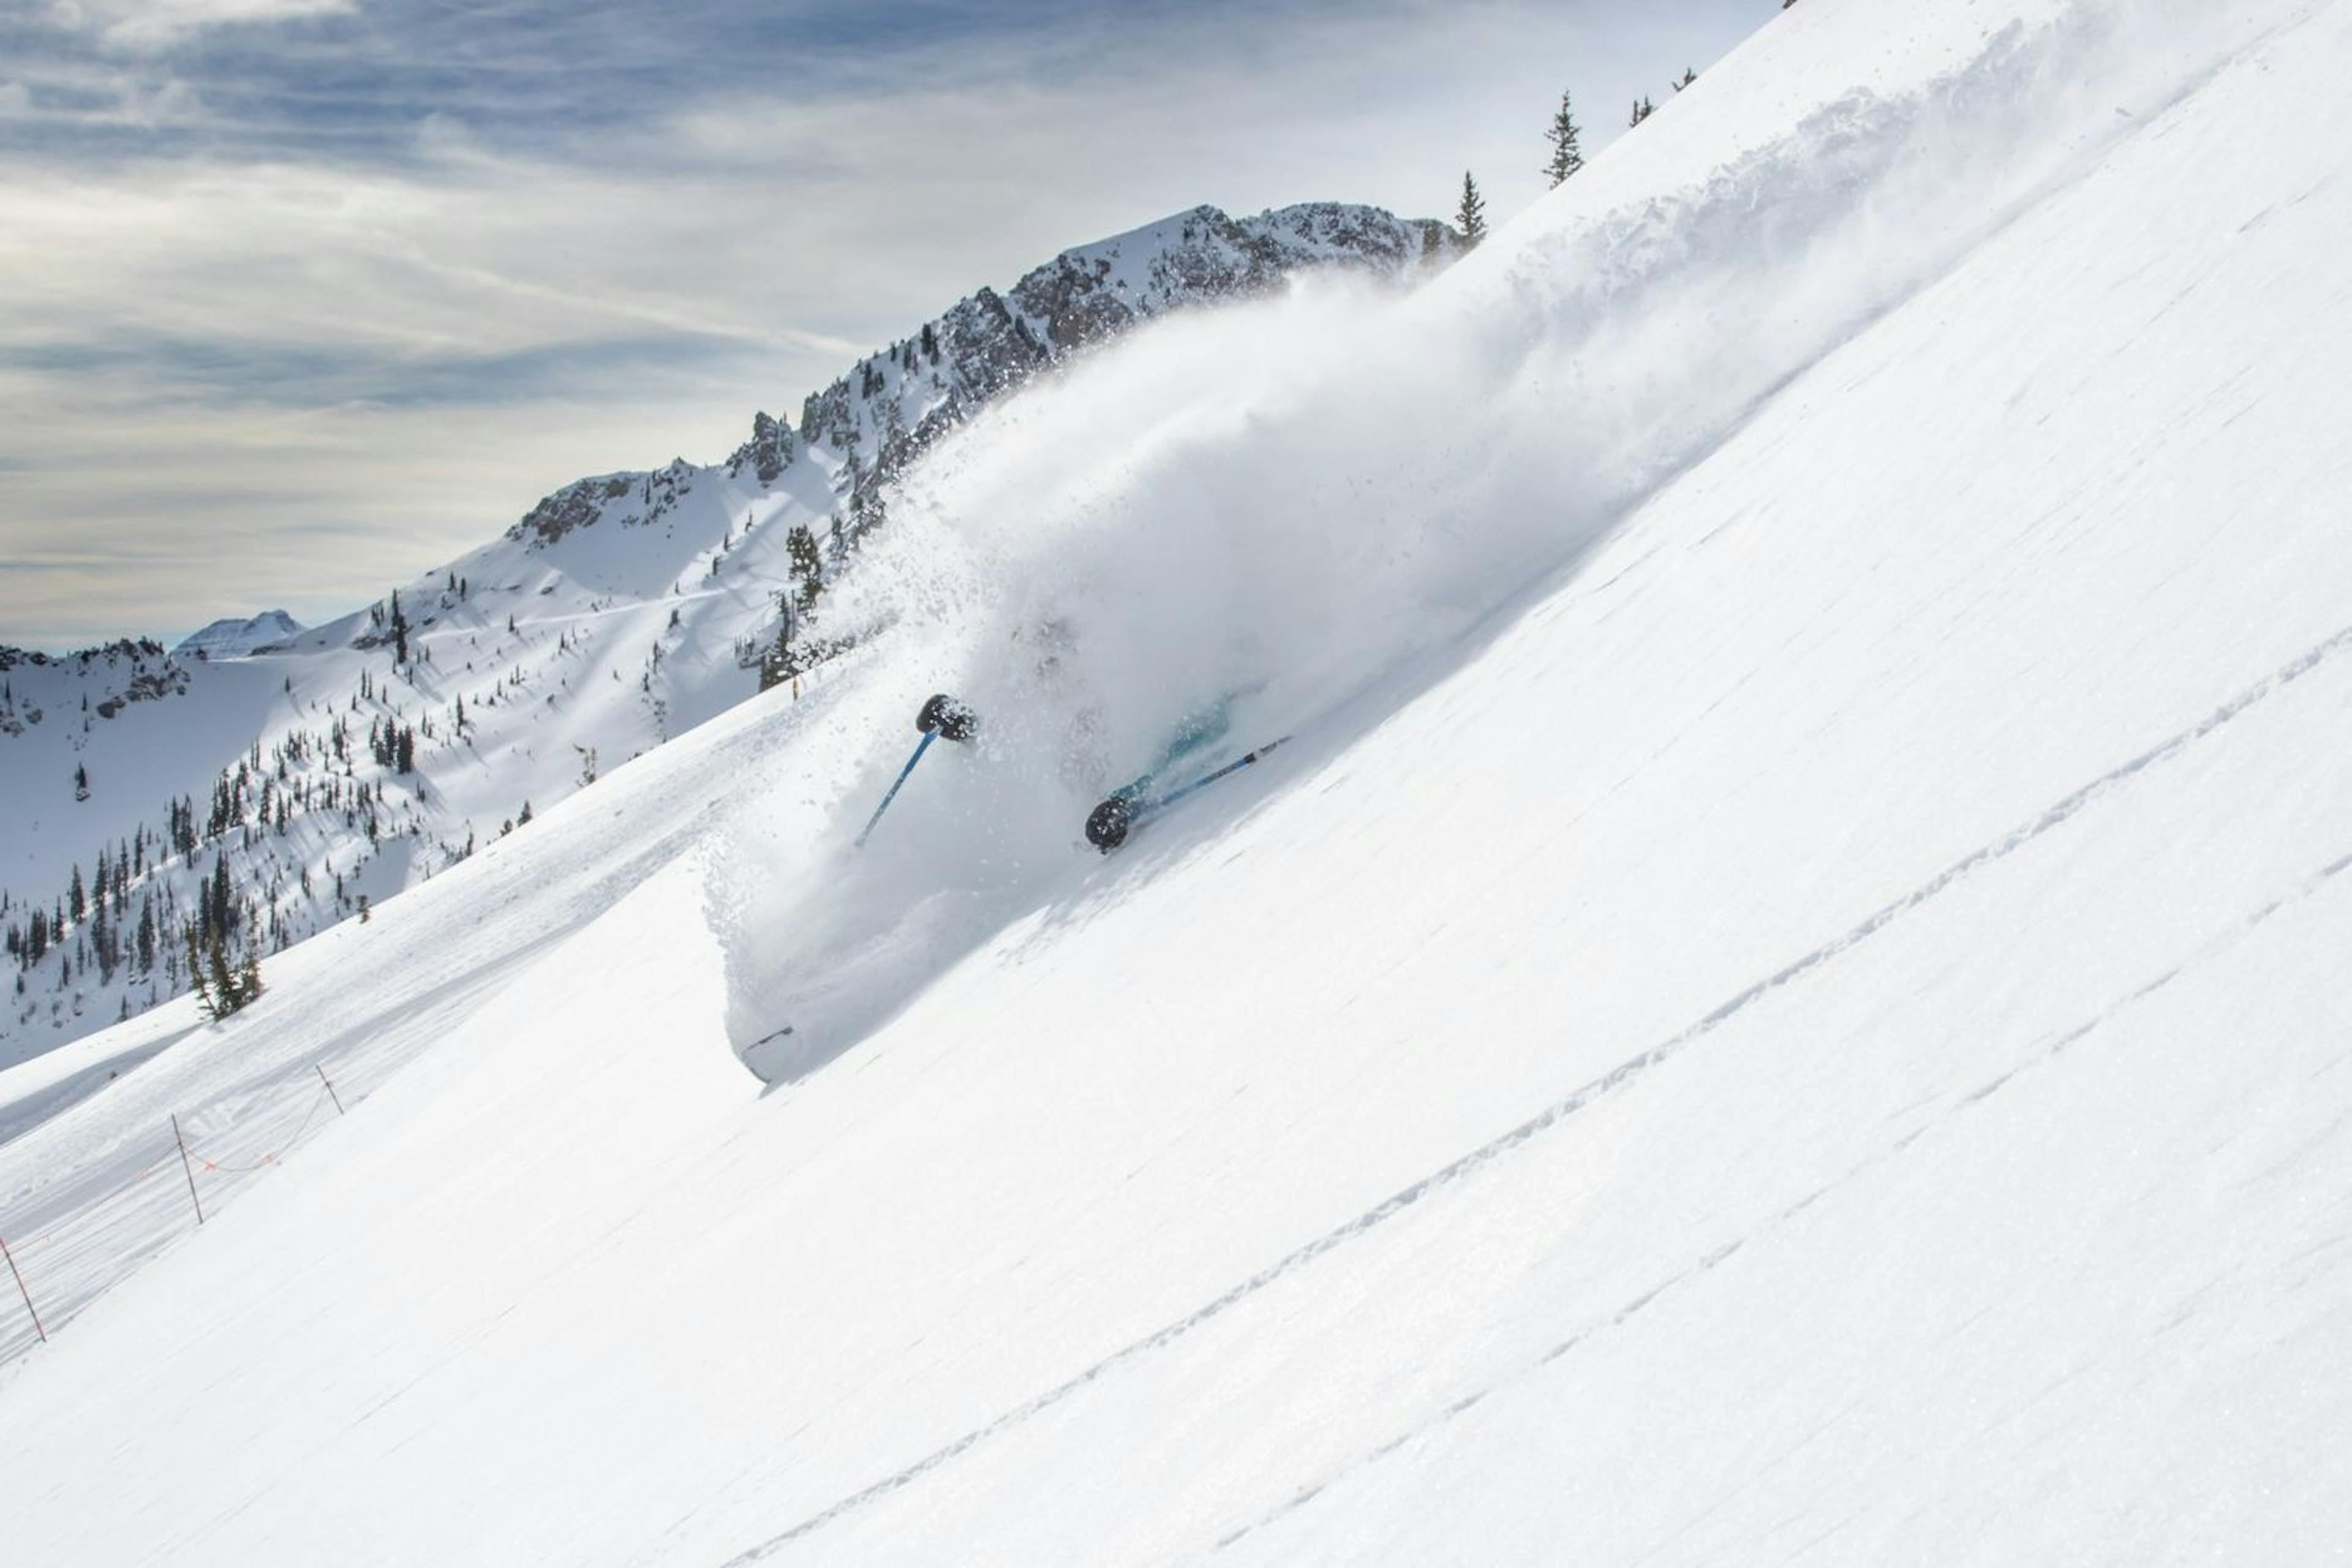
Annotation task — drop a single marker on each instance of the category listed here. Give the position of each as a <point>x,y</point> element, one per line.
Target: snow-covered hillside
<point>1783,1001</point>
<point>311,775</point>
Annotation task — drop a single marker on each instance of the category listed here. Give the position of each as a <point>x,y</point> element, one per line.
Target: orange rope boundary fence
<point>188,1163</point>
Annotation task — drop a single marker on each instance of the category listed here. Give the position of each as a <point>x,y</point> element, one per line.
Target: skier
<point>1109,823</point>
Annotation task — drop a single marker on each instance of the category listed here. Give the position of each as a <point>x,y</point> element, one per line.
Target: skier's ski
<point>1108,823</point>
<point>770,1067</point>
<point>942,716</point>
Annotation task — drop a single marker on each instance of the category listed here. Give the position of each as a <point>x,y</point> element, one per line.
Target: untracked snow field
<point>1790,1009</point>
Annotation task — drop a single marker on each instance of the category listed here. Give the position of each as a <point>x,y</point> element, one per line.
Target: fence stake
<point>187,1168</point>
<point>331,1087</point>
<point>22,1292</point>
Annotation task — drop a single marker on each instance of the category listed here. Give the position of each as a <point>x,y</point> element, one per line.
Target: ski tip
<point>769,1058</point>
<point>1107,824</point>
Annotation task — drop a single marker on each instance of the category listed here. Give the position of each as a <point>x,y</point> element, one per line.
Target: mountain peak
<point>230,638</point>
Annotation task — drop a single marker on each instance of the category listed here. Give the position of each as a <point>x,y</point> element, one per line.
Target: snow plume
<point>1309,507</point>
<point>1308,495</point>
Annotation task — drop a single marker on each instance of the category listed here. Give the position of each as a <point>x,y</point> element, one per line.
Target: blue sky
<point>305,296</point>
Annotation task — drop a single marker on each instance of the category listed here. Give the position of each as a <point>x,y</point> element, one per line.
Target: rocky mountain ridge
<point>891,405</point>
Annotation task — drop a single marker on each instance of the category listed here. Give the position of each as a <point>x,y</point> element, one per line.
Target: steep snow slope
<point>1812,1030</point>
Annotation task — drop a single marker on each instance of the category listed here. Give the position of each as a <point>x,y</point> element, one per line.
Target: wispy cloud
<point>298,234</point>
<point>143,25</point>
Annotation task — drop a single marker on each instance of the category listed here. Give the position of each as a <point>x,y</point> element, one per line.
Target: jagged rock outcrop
<point>102,680</point>
<point>640,498</point>
<point>768,453</point>
<point>891,405</point>
<point>1089,293</point>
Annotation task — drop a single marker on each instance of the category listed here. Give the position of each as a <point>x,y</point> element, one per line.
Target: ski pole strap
<point>920,747</point>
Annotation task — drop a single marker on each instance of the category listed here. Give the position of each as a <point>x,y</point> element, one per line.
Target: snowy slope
<point>622,610</point>
<point>1809,1028</point>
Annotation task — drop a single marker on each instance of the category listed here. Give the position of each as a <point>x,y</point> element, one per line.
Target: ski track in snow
<point>1618,1078</point>
<point>2040,1055</point>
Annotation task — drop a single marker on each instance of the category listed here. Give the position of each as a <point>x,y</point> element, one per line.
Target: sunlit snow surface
<point>1787,1002</point>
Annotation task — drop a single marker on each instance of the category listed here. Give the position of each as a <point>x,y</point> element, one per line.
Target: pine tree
<point>775,664</point>
<point>807,565</point>
<point>221,987</point>
<point>1566,159</point>
<point>200,975</point>
<point>1690,76</point>
<point>1472,218</point>
<point>220,903</point>
<point>399,631</point>
<point>1642,110</point>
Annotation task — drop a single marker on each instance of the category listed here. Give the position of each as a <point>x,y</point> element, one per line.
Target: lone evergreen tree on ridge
<point>1472,219</point>
<point>1566,158</point>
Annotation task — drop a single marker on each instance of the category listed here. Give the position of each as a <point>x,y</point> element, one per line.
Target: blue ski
<point>1108,823</point>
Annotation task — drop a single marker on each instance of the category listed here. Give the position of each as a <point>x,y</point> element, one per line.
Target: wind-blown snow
<point>1333,493</point>
<point>1785,1003</point>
